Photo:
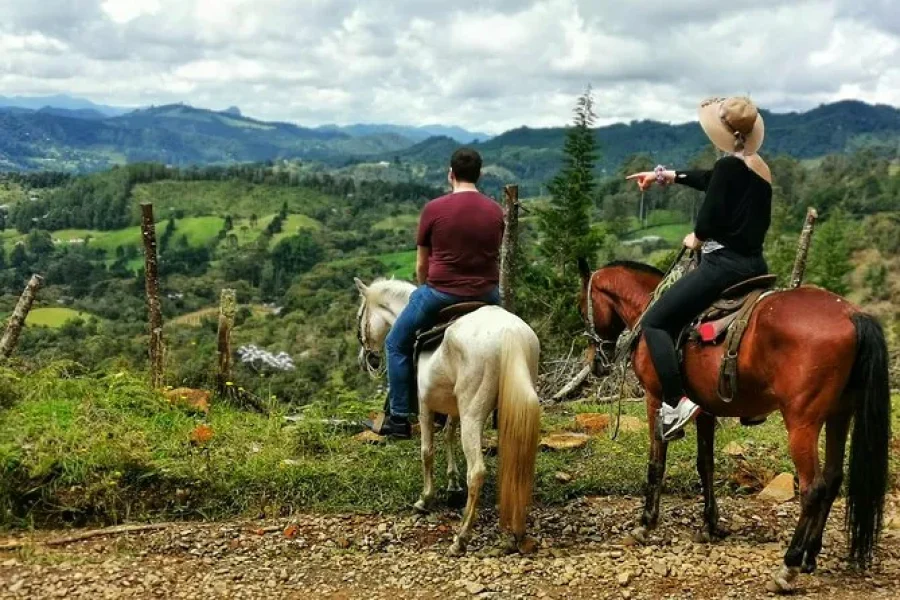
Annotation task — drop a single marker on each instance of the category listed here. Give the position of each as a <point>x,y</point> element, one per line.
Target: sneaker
<point>671,421</point>
<point>390,426</point>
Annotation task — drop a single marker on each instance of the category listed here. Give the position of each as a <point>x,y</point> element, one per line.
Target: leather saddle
<point>726,320</point>
<point>430,339</point>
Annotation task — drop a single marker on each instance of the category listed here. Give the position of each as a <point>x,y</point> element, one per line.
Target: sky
<point>488,65</point>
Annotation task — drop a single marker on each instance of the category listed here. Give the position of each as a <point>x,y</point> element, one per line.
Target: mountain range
<point>82,136</point>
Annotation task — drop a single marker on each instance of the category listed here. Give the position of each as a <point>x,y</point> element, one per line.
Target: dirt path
<point>581,555</point>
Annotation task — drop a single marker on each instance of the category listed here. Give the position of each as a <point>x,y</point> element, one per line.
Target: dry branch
<point>227,310</point>
<point>86,535</point>
<point>17,320</point>
<point>803,247</point>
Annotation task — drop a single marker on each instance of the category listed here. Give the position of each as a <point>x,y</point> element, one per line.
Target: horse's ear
<point>584,269</point>
<point>360,286</point>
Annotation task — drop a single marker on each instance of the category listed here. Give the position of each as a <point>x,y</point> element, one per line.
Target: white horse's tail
<point>519,414</point>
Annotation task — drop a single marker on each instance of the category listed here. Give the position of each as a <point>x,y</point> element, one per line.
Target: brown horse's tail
<point>869,448</point>
<point>519,428</point>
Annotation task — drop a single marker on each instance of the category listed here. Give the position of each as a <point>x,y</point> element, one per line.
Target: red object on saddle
<point>707,332</point>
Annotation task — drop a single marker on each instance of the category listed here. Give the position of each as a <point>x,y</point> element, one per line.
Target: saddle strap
<point>728,370</point>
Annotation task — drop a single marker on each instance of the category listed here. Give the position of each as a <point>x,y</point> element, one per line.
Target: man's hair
<point>466,165</point>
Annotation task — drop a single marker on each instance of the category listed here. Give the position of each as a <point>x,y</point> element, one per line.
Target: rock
<point>291,531</point>
<point>562,477</point>
<point>369,437</point>
<point>892,522</point>
<point>473,587</point>
<point>623,578</point>
<point>592,423</point>
<point>565,441</point>
<point>735,449</point>
<point>780,489</point>
<point>631,424</point>
<point>661,568</point>
<point>189,398</point>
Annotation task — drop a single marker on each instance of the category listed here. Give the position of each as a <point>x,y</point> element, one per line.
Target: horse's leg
<point>426,426</point>
<point>450,431</point>
<point>706,436</point>
<point>836,429</point>
<point>656,470</point>
<point>803,441</point>
<point>471,426</point>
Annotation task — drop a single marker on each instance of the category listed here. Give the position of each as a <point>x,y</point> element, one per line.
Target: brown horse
<point>806,352</point>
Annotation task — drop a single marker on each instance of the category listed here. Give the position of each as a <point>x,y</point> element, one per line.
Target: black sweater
<point>737,209</point>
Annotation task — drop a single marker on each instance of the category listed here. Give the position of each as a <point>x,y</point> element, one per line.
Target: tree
<point>830,264</point>
<point>229,223</point>
<point>566,222</point>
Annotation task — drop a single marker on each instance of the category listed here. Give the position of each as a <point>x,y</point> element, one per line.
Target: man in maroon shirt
<point>457,261</point>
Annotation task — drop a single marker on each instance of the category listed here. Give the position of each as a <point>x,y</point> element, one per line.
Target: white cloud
<point>488,65</point>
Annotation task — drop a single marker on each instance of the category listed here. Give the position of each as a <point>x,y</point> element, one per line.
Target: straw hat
<point>732,124</point>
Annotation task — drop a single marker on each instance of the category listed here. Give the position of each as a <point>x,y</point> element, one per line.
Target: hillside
<point>83,139</point>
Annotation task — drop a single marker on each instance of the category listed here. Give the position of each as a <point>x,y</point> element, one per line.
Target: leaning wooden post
<point>227,309</point>
<point>17,320</point>
<point>803,248</point>
<point>509,249</point>
<point>151,276</point>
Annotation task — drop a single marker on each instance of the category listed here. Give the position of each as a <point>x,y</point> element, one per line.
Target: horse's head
<point>616,294</point>
<point>379,306</point>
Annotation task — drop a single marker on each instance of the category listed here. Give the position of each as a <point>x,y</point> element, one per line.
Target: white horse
<point>485,355</point>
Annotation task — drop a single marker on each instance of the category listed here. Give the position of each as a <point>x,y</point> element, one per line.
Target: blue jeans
<point>421,313</point>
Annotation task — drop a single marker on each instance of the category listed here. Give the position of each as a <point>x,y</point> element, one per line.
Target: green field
<point>398,223</point>
<point>236,198</point>
<point>671,233</point>
<point>54,317</point>
<point>401,265</point>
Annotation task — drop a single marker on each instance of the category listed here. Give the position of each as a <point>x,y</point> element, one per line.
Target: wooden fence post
<point>510,248</point>
<point>803,248</point>
<point>151,276</point>
<point>17,320</point>
<point>227,309</point>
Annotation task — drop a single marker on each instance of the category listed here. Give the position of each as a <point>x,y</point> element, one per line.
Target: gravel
<point>584,552</point>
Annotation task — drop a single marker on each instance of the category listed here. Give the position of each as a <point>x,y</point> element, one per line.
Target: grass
<point>195,319</point>
<point>673,234</point>
<point>397,223</point>
<point>87,449</point>
<point>54,317</point>
<point>401,265</point>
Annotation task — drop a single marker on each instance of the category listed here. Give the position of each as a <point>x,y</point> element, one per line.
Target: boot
<point>390,426</point>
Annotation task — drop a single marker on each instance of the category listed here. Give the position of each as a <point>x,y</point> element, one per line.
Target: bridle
<point>363,335</point>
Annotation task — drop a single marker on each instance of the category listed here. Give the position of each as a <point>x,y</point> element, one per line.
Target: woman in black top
<point>729,233</point>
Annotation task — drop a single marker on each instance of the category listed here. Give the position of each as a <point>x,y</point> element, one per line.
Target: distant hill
<point>415,134</point>
<point>83,139</point>
<point>61,101</point>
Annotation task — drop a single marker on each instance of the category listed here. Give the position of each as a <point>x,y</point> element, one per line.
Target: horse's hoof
<point>702,537</point>
<point>527,545</point>
<point>457,549</point>
<point>705,537</point>
<point>782,581</point>
<point>422,507</point>
<point>639,534</point>
<point>809,565</point>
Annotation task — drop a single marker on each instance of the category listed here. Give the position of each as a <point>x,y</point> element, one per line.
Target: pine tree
<point>830,260</point>
<point>566,222</point>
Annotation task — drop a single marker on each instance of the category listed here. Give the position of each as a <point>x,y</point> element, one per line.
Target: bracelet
<point>660,175</point>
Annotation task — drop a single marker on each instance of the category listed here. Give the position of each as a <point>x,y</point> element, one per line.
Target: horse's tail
<point>519,427</point>
<point>869,448</point>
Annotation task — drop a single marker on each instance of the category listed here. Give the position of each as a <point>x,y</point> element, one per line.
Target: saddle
<point>430,339</point>
<point>727,318</point>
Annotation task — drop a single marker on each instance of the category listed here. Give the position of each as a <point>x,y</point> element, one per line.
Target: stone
<point>779,490</point>
<point>735,449</point>
<point>624,578</point>
<point>369,437</point>
<point>661,568</point>
<point>565,441</point>
<point>562,477</point>
<point>473,587</point>
<point>592,423</point>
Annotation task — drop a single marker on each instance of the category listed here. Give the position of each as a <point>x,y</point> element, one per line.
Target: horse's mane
<point>635,266</point>
<point>384,291</point>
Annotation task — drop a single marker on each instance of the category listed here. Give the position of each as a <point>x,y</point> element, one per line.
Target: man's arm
<point>422,255</point>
